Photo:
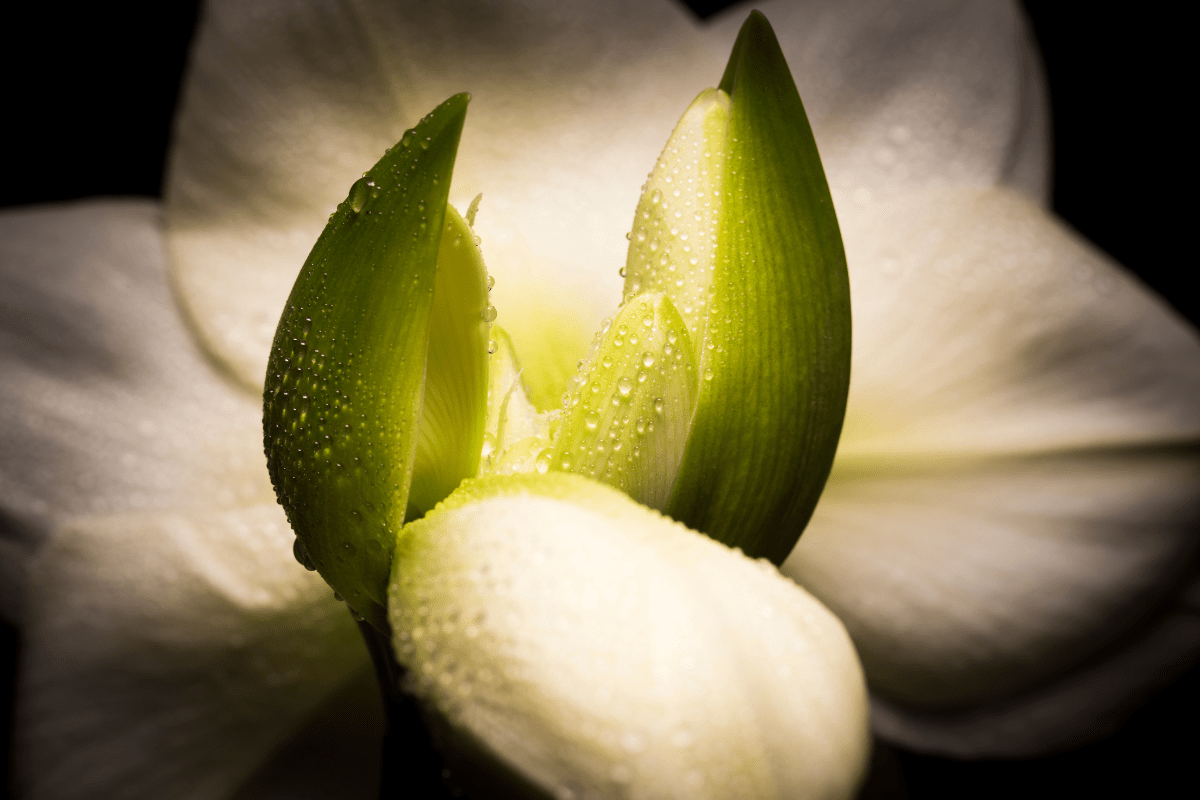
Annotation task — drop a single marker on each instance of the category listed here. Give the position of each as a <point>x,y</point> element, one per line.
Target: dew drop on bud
<point>358,195</point>
<point>301,554</point>
<point>489,313</point>
<point>542,465</point>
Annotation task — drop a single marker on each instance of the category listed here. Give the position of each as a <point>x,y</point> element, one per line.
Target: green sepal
<point>346,376</point>
<point>775,360</point>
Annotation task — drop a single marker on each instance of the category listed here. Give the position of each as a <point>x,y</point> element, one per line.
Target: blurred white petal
<point>168,645</point>
<point>287,104</point>
<point>1065,713</point>
<point>982,325</point>
<point>606,651</point>
<point>107,405</point>
<point>1016,486</point>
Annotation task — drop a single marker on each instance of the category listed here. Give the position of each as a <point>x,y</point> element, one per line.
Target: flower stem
<point>411,765</point>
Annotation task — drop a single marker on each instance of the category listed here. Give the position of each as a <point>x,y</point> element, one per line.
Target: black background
<point>88,97</point>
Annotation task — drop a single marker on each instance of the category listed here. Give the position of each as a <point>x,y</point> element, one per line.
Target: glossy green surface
<point>775,352</point>
<point>347,377</point>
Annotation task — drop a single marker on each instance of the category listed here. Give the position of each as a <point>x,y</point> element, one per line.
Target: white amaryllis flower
<point>1009,501</point>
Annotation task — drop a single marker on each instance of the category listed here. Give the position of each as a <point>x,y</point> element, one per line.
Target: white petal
<point>604,650</point>
<point>166,617</point>
<point>167,655</point>
<point>1009,497</point>
<point>286,105</point>
<point>970,581</point>
<point>107,405</point>
<point>982,325</point>
<point>1087,704</point>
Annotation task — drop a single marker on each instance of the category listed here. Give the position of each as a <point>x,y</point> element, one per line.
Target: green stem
<point>411,766</point>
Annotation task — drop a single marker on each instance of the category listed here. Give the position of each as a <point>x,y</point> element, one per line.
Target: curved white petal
<point>1086,704</point>
<point>164,616</point>
<point>286,104</point>
<point>964,582</point>
<point>107,405</point>
<point>1017,483</point>
<point>605,651</point>
<point>981,325</point>
<point>167,655</point>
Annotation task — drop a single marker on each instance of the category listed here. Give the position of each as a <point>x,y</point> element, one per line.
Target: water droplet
<point>489,313</point>
<point>425,143</point>
<point>658,405</point>
<point>656,197</point>
<point>648,321</point>
<point>565,460</point>
<point>491,346</point>
<point>648,359</point>
<point>606,362</point>
<point>358,195</point>
<point>708,374</point>
<point>542,465</point>
<point>407,140</point>
<point>591,419</point>
<point>491,282</point>
<point>625,386</point>
<point>301,554</point>
<point>621,271</point>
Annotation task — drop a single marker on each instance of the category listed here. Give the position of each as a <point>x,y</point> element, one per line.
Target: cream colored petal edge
<point>964,583</point>
<point>983,325</point>
<point>286,104</point>
<point>168,654</point>
<point>1088,704</point>
<point>107,405</point>
<point>604,650</point>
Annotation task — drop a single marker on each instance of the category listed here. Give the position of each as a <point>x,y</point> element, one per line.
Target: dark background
<point>89,92</point>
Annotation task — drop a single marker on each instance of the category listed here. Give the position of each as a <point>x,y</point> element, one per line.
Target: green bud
<point>736,232</point>
<point>376,386</point>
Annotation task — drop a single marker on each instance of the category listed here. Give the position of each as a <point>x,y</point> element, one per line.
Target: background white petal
<point>167,655</point>
<point>107,404</point>
<point>1064,714</point>
<point>287,103</point>
<point>164,617</point>
<point>1015,491</point>
<point>606,651</point>
<point>983,325</point>
<point>965,582</point>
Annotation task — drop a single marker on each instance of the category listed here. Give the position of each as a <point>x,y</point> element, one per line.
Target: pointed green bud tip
<point>374,403</point>
<point>774,356</point>
<point>735,233</point>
